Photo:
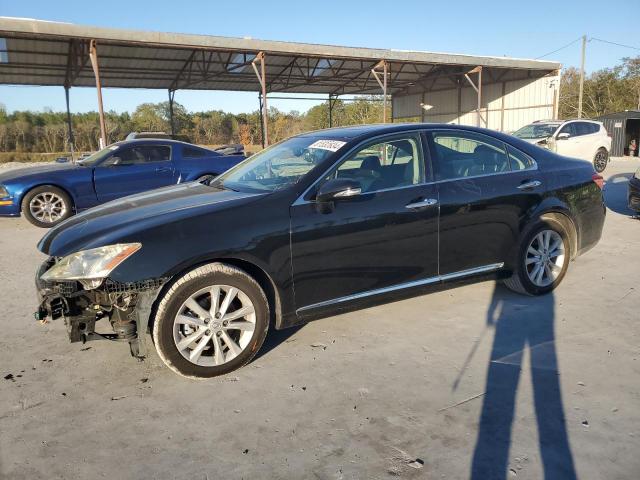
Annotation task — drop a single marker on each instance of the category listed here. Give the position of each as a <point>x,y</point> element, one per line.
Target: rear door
<point>383,238</point>
<point>134,169</point>
<point>485,189</point>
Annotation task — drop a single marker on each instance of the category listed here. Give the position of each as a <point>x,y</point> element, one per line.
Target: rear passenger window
<point>467,154</point>
<point>518,160</point>
<point>394,163</point>
<point>584,128</point>
<point>189,152</point>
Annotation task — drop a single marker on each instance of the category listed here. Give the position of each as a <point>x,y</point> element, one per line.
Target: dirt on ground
<point>473,382</point>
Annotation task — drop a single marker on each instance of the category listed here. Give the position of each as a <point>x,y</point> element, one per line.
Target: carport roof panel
<point>37,52</point>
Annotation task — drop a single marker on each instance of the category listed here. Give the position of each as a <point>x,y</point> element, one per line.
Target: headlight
<point>90,267</point>
<point>3,192</point>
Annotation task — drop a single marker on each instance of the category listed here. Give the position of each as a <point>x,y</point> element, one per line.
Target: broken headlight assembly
<point>91,267</point>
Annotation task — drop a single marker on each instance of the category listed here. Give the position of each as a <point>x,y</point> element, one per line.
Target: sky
<point>494,27</point>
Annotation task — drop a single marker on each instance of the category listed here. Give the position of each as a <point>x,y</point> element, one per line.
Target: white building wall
<point>523,102</point>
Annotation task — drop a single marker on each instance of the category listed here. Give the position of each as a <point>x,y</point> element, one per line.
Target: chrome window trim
<point>401,286</point>
<point>301,201</point>
<point>534,167</point>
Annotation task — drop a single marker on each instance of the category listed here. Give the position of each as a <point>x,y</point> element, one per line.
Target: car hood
<point>21,173</point>
<point>120,220</point>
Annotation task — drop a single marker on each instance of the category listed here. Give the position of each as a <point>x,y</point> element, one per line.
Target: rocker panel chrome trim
<point>401,286</point>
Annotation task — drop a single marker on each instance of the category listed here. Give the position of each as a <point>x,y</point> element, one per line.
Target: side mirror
<point>338,189</point>
<point>115,160</point>
<point>563,136</point>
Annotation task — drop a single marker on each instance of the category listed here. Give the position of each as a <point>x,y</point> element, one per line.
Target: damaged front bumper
<point>127,307</point>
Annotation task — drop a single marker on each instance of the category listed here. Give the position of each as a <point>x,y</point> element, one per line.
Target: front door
<point>572,146</point>
<point>383,238</point>
<point>132,170</point>
<point>486,189</point>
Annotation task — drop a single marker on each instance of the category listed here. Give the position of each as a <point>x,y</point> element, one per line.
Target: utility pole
<point>584,51</point>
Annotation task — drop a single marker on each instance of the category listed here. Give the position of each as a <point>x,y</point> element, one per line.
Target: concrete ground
<point>473,382</point>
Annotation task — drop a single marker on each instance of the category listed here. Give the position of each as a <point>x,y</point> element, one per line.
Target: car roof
<point>164,141</point>
<point>359,132</point>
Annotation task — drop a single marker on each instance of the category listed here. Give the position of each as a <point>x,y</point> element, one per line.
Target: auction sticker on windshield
<point>331,145</point>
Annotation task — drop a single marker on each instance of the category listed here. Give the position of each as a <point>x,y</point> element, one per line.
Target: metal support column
<point>93,55</point>
<point>383,84</point>
<point>261,122</point>
<point>478,89</point>
<point>171,122</point>
<point>333,98</point>
<point>71,140</point>
<point>262,78</point>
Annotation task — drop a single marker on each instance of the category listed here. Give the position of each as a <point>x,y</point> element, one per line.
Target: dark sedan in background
<point>46,195</point>
<point>634,192</point>
<point>319,223</point>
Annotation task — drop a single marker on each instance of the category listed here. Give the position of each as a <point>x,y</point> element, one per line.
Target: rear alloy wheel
<point>46,206</point>
<point>211,321</point>
<point>543,260</point>
<point>600,160</point>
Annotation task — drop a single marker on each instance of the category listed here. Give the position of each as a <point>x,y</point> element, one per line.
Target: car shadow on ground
<point>275,338</point>
<point>615,194</point>
<point>521,322</point>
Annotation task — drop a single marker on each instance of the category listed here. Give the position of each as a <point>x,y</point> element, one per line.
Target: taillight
<point>598,180</point>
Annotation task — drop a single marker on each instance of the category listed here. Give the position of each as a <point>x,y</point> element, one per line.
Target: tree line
<point>605,91</point>
<point>26,131</point>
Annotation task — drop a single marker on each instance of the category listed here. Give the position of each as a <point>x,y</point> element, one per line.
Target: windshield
<point>279,166</point>
<point>92,160</point>
<point>537,130</point>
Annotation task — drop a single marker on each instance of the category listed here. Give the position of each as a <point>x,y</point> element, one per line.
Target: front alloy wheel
<point>211,321</point>
<point>214,325</point>
<point>46,206</point>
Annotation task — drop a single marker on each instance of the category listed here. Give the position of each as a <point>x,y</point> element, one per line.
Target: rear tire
<point>542,260</point>
<point>600,160</point>
<point>219,305</point>
<point>46,206</point>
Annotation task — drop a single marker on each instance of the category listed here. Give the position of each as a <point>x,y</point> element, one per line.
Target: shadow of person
<point>521,322</point>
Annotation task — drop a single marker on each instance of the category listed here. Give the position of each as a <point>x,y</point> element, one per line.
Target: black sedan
<point>317,224</point>
<point>634,192</point>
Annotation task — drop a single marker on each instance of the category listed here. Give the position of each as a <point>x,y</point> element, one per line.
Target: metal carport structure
<point>36,52</point>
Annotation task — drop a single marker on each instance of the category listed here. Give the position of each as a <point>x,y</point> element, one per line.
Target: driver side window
<point>569,128</point>
<point>393,163</point>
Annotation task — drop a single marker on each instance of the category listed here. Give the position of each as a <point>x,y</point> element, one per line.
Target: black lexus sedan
<point>319,223</point>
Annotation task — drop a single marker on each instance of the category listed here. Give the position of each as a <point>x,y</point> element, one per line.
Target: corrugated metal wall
<point>616,128</point>
<point>506,105</point>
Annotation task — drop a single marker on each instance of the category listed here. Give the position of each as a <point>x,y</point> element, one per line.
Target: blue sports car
<point>48,194</point>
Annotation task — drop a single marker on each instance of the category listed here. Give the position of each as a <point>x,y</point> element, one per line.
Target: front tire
<point>542,261</point>
<point>211,321</point>
<point>600,160</point>
<point>46,206</point>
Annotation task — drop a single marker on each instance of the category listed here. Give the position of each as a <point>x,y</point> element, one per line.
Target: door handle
<point>427,202</point>
<point>529,185</point>
<point>163,169</point>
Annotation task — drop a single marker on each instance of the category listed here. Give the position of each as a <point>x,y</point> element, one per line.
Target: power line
<point>614,43</point>
<point>561,48</point>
